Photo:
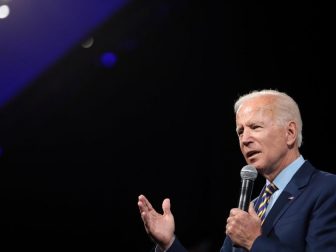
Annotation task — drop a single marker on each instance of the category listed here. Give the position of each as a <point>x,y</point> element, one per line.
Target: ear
<point>291,133</point>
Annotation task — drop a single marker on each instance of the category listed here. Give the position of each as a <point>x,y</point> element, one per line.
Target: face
<point>263,141</point>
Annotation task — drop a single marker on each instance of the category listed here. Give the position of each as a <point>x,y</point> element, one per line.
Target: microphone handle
<point>244,199</point>
<point>245,194</point>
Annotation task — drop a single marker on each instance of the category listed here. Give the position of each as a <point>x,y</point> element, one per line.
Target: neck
<point>271,173</point>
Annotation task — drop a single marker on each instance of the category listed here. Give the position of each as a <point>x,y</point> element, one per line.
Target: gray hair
<point>287,108</point>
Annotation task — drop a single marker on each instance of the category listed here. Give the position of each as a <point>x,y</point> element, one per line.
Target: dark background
<point>83,141</point>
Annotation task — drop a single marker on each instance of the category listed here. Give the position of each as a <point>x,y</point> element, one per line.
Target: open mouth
<point>251,153</point>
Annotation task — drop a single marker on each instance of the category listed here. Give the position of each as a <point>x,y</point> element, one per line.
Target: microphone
<point>248,174</point>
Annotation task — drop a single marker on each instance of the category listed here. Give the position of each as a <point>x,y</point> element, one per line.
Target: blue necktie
<point>269,190</point>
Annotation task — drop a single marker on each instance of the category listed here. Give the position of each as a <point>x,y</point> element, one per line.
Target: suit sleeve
<point>176,247</point>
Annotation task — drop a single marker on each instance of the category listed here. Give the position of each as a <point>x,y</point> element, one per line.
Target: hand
<point>243,227</point>
<point>160,227</point>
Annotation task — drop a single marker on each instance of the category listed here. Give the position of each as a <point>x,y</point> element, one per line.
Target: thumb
<point>251,210</point>
<point>166,206</point>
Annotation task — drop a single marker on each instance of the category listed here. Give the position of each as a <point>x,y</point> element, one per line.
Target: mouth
<point>249,154</point>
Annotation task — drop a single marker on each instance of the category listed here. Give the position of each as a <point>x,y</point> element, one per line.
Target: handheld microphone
<point>248,174</point>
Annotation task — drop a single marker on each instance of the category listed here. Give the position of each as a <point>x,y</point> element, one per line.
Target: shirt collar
<point>286,174</point>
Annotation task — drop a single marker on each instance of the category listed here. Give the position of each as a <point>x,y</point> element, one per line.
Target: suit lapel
<point>288,196</point>
<point>277,210</point>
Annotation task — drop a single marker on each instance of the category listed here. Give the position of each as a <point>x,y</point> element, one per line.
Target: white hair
<point>287,108</point>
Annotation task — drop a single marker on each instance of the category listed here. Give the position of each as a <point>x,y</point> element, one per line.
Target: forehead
<point>255,108</point>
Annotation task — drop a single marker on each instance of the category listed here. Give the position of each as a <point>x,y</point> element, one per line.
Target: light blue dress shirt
<point>283,179</point>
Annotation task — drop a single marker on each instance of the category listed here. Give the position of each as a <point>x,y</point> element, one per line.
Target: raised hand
<point>160,227</point>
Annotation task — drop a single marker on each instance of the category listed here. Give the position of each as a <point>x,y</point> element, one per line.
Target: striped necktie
<point>269,190</point>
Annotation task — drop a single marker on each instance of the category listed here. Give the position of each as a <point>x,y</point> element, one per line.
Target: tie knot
<point>271,188</point>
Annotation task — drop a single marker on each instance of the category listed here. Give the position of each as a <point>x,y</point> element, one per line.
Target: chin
<point>252,162</point>
<point>256,165</point>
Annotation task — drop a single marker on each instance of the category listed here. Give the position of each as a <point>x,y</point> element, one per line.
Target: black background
<point>84,141</point>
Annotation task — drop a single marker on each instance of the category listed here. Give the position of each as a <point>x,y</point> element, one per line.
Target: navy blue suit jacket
<point>302,219</point>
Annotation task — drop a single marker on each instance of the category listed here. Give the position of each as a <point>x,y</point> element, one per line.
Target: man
<point>298,214</point>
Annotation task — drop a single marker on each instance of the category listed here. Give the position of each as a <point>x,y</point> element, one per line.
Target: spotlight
<point>4,11</point>
<point>88,43</point>
<point>108,59</point>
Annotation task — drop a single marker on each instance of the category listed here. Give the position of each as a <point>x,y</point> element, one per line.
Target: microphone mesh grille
<point>248,172</point>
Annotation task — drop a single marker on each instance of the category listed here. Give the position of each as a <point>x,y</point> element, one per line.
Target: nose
<point>245,138</point>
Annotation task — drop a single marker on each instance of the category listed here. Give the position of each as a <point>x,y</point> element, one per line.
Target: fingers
<point>234,211</point>
<point>230,222</point>
<point>234,219</point>
<point>145,208</point>
<point>144,204</point>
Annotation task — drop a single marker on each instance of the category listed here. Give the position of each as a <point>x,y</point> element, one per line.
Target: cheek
<point>277,136</point>
<point>275,145</point>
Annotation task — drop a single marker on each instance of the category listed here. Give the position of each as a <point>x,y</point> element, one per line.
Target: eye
<point>255,126</point>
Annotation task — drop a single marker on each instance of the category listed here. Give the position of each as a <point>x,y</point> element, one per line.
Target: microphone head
<point>249,172</point>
